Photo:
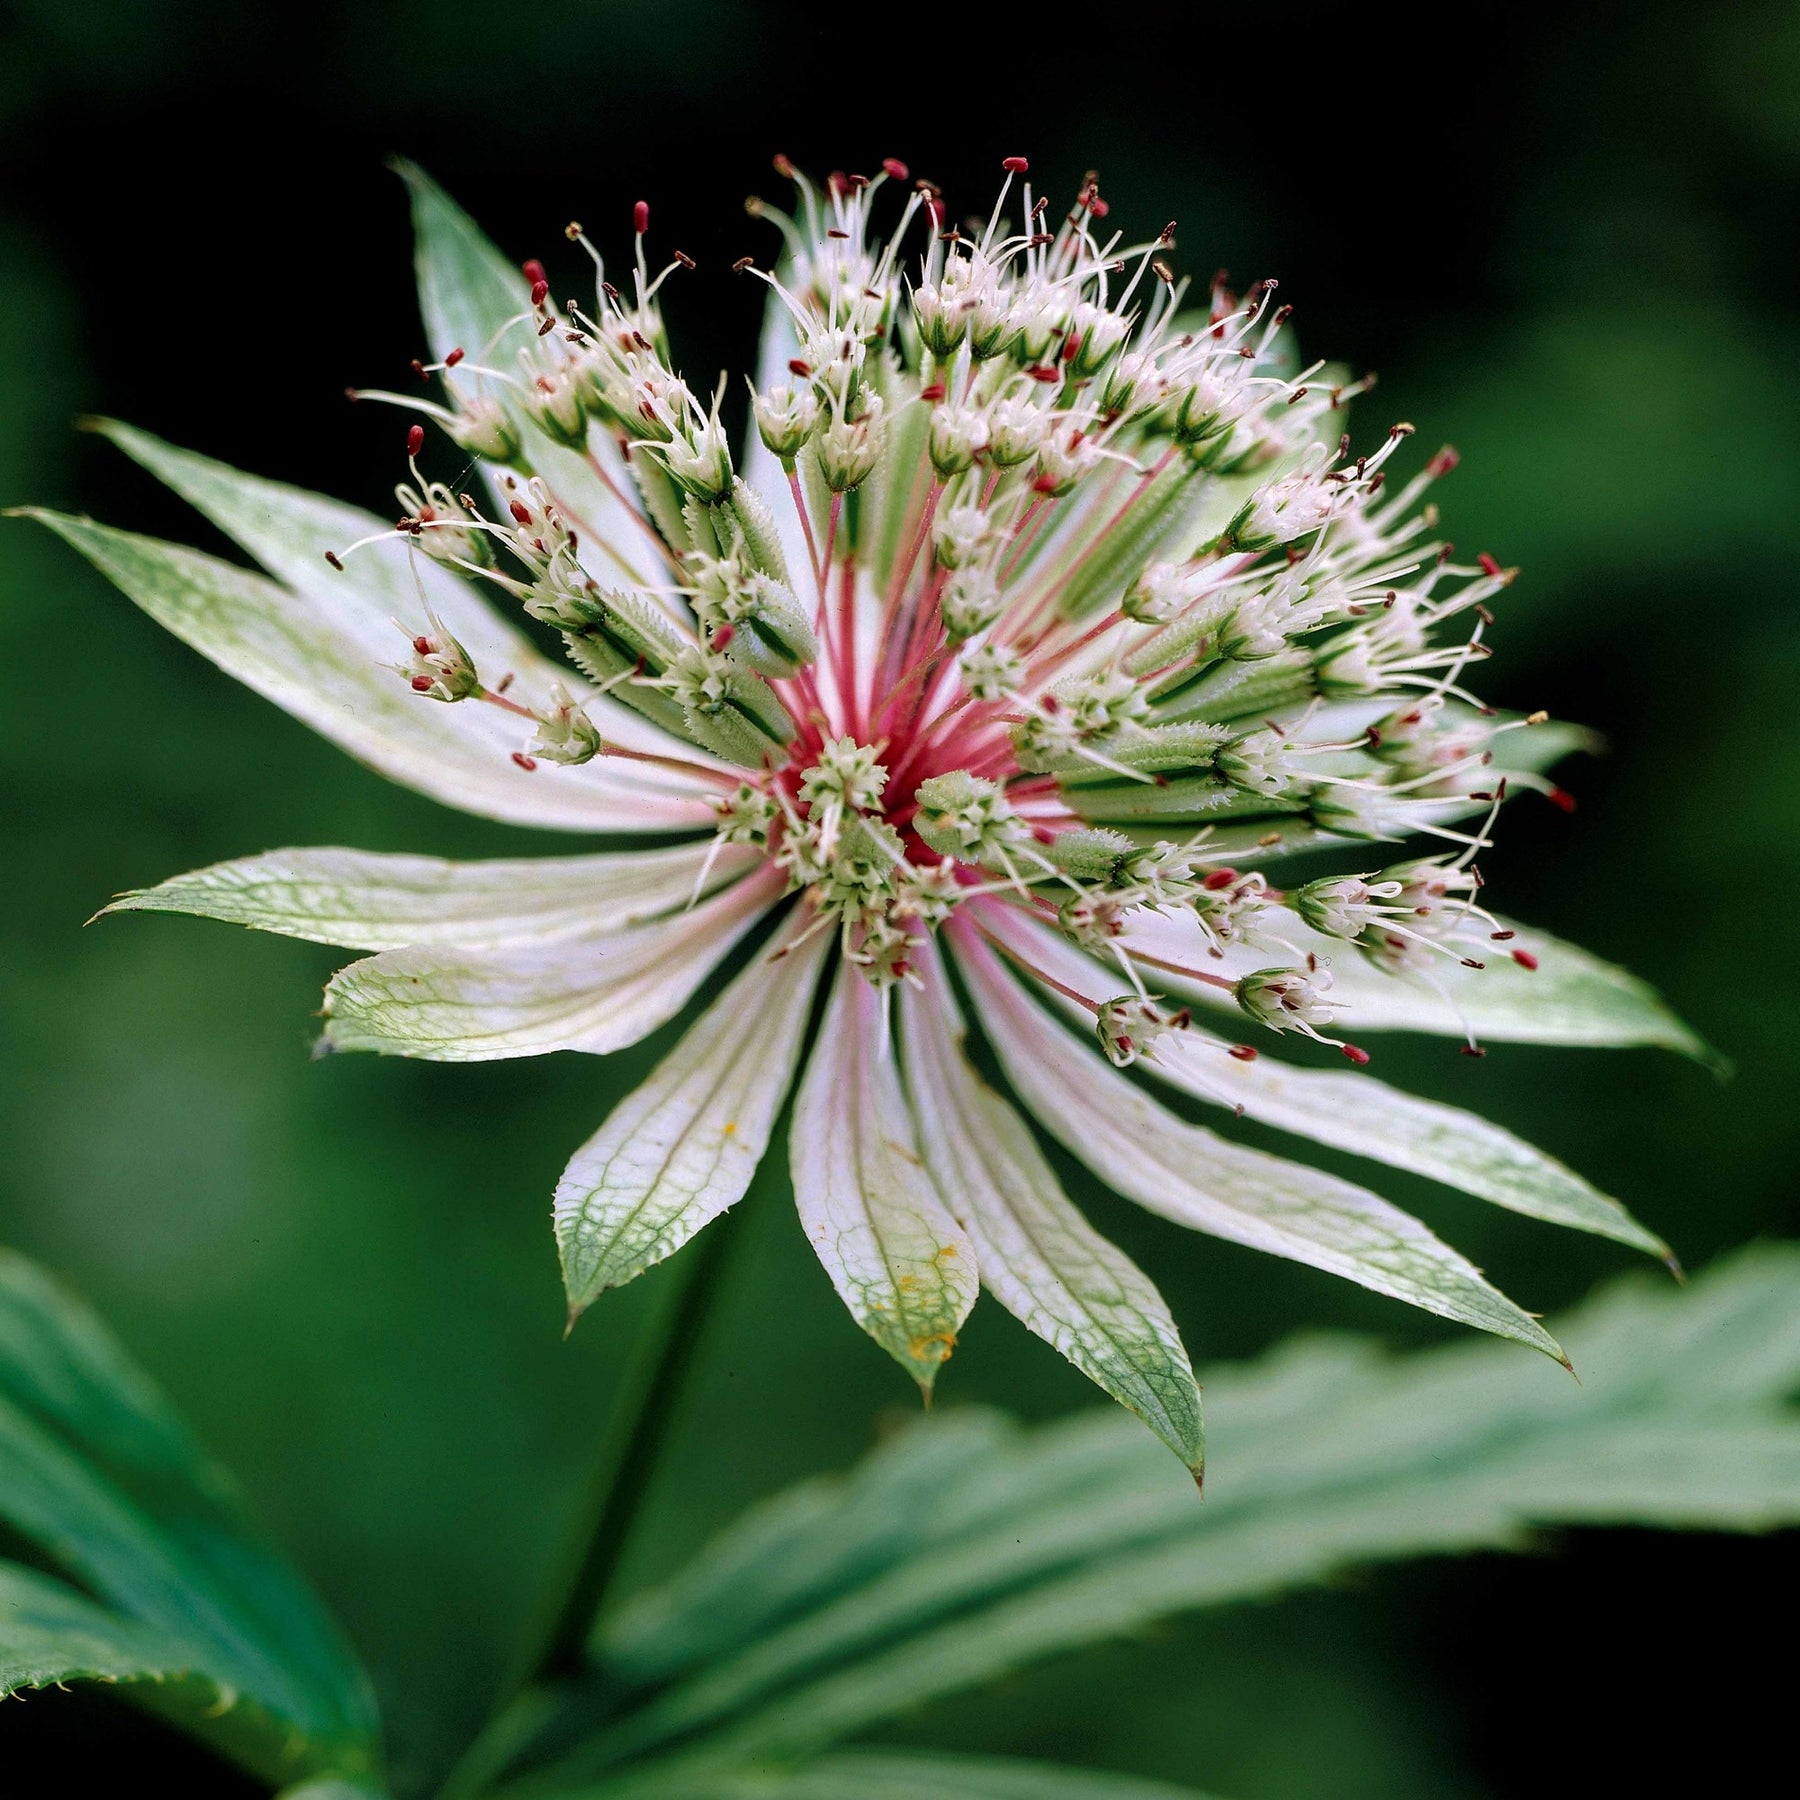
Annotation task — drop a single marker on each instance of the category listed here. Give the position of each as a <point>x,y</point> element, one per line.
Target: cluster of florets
<point>1084,602</point>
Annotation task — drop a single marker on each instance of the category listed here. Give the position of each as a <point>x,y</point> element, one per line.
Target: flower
<point>1048,613</point>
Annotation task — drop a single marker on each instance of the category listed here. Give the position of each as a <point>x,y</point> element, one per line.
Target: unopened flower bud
<point>440,669</point>
<point>565,733</point>
<point>482,428</point>
<point>785,418</point>
<point>849,448</point>
<point>969,604</point>
<point>1131,1027</point>
<point>958,435</point>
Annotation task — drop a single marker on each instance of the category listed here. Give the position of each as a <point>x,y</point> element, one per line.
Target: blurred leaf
<point>99,1474</point>
<point>969,1547</point>
<point>891,1775</point>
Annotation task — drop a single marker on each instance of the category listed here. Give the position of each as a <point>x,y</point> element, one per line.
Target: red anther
<point>686,261</point>
<point>527,763</point>
<point>1473,1050</point>
<point>1167,235</point>
<point>723,636</point>
<point>1561,798</point>
<point>421,684</point>
<point>1500,937</point>
<point>1044,484</point>
<point>935,207</point>
<point>540,292</point>
<point>1040,373</point>
<point>839,183</point>
<point>519,512</point>
<point>894,168</point>
<point>1043,834</point>
<point>1218,879</point>
<point>743,263</point>
<point>1071,346</point>
<point>1243,1052</point>
<point>1525,959</point>
<point>640,217</point>
<point>1490,565</point>
<point>418,368</point>
<point>1015,165</point>
<point>1445,460</point>
<point>415,440</point>
<point>454,357</point>
<point>934,392</point>
<point>835,233</point>
<point>797,367</point>
<point>1098,207</point>
<point>331,556</point>
<point>784,167</point>
<point>1469,962</point>
<point>422,645</point>
<point>1354,1053</point>
<point>533,270</point>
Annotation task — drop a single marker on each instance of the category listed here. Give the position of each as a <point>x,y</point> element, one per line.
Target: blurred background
<point>1563,236</point>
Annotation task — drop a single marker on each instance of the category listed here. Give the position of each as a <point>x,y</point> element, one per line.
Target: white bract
<point>1045,613</point>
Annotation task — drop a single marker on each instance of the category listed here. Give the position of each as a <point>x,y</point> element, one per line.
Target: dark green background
<point>1563,235</point>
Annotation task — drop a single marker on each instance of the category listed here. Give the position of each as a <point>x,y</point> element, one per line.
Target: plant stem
<point>621,1477</point>
<point>635,1435</point>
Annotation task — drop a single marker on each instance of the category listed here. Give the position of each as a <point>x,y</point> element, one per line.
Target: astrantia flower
<point>1048,619</point>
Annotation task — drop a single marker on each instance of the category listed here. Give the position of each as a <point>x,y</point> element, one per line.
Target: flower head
<point>1048,614</point>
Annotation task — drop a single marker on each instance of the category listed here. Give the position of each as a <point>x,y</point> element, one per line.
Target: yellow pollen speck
<point>730,1127</point>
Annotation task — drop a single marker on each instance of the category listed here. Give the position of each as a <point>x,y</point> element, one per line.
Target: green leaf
<point>1037,1254</point>
<point>366,901</point>
<point>99,1474</point>
<point>1570,998</point>
<point>1328,1454</point>
<point>598,992</point>
<point>1348,1112</point>
<point>885,1775</point>
<point>897,1257</point>
<point>328,661</point>
<point>50,1634</point>
<point>682,1148</point>
<point>1142,1150</point>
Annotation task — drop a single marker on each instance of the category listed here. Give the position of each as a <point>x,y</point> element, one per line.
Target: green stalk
<point>622,1475</point>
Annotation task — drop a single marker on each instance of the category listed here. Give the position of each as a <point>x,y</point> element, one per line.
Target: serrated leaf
<point>884,1775</point>
<point>872,1213</point>
<point>98,1474</point>
<point>1325,1455</point>
<point>683,1148</point>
